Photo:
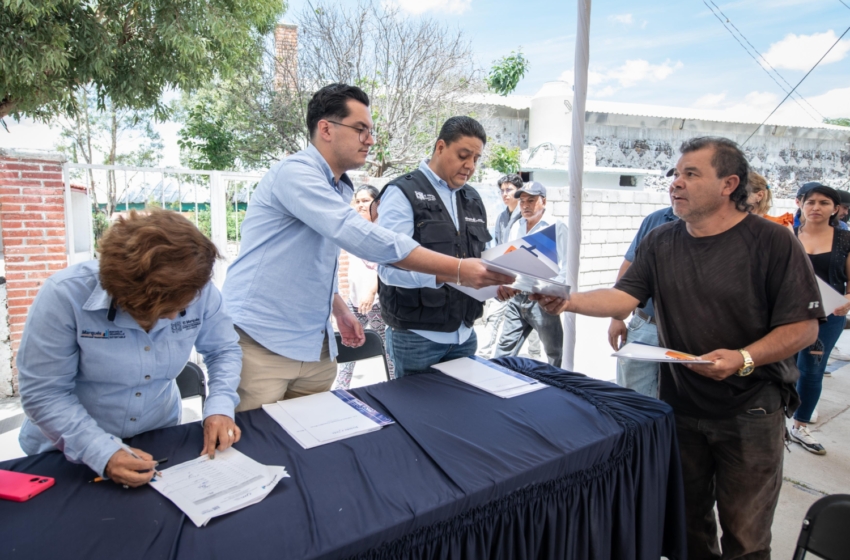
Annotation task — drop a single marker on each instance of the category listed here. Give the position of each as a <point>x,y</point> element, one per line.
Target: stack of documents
<point>532,259</point>
<point>326,417</point>
<point>489,377</point>
<point>646,353</point>
<point>832,300</point>
<point>205,488</point>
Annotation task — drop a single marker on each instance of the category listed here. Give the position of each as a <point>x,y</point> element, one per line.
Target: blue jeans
<point>641,377</point>
<point>412,353</point>
<point>812,366</point>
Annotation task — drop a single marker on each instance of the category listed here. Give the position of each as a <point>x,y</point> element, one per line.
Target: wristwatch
<point>749,365</point>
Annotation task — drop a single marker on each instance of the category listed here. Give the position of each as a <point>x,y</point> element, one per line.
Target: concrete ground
<point>807,477</point>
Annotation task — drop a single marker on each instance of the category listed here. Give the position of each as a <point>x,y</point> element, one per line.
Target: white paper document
<point>325,417</point>
<point>532,259</point>
<point>647,353</point>
<point>832,300</point>
<point>489,377</point>
<point>205,488</point>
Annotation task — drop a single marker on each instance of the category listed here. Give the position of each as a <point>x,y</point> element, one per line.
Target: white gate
<point>205,197</point>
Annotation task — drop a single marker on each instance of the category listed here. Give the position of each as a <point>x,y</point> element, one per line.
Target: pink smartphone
<point>20,487</point>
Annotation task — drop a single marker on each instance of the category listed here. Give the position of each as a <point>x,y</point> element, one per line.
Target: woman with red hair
<point>105,340</point>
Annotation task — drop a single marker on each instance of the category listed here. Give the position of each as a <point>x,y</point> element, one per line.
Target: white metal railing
<point>166,186</point>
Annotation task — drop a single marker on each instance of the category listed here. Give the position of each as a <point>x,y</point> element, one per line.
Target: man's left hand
<point>726,363</point>
<point>350,329</point>
<point>220,432</point>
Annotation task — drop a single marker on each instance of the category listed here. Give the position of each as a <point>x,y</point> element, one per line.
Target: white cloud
<point>800,52</point>
<point>710,100</point>
<point>445,6</point>
<point>621,18</point>
<point>604,83</point>
<point>757,105</point>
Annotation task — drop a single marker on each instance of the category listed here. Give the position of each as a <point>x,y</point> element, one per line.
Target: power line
<point>798,85</point>
<point>760,65</point>
<point>845,4</point>
<point>781,77</point>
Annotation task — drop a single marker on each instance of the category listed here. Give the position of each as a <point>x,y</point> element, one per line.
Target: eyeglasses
<point>363,131</point>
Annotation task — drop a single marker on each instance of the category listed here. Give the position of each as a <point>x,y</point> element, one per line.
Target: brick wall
<point>32,223</point>
<point>286,56</point>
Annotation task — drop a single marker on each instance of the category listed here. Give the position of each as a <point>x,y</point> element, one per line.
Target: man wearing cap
<point>429,322</point>
<point>521,314</point>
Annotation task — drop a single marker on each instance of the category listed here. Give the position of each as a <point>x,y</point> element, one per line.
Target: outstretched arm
<point>609,302</point>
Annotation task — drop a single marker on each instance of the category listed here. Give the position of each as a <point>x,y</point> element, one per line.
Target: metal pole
<point>582,59</point>
<point>218,223</point>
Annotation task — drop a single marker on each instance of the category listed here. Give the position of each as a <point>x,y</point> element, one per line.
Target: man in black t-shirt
<point>737,290</point>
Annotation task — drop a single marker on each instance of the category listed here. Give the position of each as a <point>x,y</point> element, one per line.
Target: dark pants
<point>737,463</point>
<point>413,353</point>
<point>812,366</point>
<point>521,316</point>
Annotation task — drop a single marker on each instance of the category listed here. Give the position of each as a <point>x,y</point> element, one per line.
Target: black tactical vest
<point>442,309</point>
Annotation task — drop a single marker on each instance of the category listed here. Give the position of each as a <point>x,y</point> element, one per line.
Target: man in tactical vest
<point>429,322</point>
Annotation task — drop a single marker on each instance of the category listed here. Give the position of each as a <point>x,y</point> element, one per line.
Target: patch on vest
<point>474,220</point>
<point>425,197</point>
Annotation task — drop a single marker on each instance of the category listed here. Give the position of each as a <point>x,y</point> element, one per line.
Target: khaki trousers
<point>268,377</point>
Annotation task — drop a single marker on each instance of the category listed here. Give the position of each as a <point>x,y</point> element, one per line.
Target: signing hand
<point>617,334</point>
<point>475,275</point>
<point>220,432</point>
<point>123,468</point>
<point>505,293</point>
<point>726,363</point>
<point>350,329</point>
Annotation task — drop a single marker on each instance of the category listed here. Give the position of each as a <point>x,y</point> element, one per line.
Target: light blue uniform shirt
<point>280,289</point>
<point>396,214</point>
<point>84,378</point>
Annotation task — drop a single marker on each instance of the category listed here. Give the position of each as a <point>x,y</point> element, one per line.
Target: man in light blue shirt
<point>522,315</point>
<point>105,340</point>
<point>427,321</point>
<point>282,289</point>
<point>633,374</point>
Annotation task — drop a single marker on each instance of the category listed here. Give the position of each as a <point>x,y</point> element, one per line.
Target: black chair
<point>372,348</point>
<point>826,529</point>
<point>192,383</point>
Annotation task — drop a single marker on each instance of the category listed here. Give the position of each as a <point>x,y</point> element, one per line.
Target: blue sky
<point>667,53</point>
<point>664,53</point>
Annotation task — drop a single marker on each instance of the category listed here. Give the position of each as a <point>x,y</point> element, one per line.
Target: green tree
<point>130,51</point>
<point>504,159</point>
<point>507,72</point>
<point>839,121</point>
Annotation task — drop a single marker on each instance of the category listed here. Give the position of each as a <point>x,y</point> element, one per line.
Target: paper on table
<point>489,377</point>
<point>325,417</point>
<point>203,488</point>
<point>647,353</point>
<point>832,300</point>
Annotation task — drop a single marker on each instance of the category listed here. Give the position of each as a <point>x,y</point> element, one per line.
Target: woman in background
<point>363,288</point>
<point>829,251</point>
<point>762,200</point>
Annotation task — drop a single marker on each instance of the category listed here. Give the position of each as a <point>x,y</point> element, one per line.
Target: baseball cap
<point>806,187</point>
<point>533,188</point>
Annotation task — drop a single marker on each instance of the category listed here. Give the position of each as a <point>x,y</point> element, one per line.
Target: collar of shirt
<point>447,194</point>
<point>669,215</point>
<point>523,226</point>
<point>313,153</point>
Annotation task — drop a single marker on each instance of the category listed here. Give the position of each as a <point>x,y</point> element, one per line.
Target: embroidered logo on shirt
<point>102,334</point>
<point>474,220</point>
<point>189,324</point>
<point>425,197</point>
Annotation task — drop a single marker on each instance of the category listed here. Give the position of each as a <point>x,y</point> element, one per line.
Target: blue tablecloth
<point>582,470</point>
